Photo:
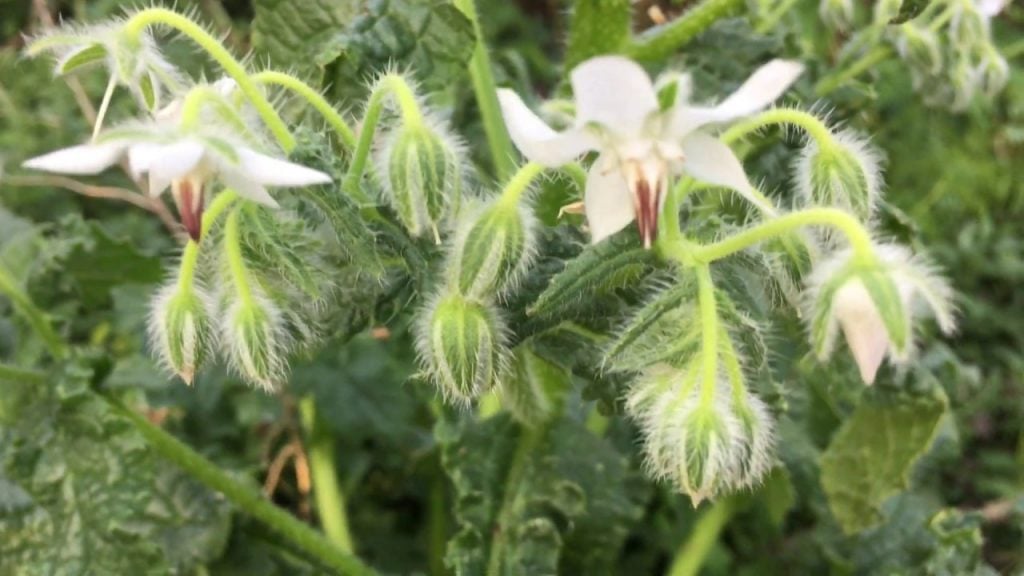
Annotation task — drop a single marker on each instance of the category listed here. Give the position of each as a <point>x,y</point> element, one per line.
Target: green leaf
<point>597,27</point>
<point>101,502</point>
<point>871,455</point>
<point>536,501</point>
<point>602,268</point>
<point>430,38</point>
<point>536,389</point>
<point>294,34</point>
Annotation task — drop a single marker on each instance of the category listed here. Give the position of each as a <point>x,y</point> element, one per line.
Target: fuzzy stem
<point>663,41</point>
<point>190,256</point>
<point>814,127</point>
<point>872,58</point>
<point>709,331</point>
<point>104,105</point>
<point>164,17</point>
<point>733,368</point>
<point>480,72</point>
<point>243,496</point>
<point>390,84</point>
<point>315,99</point>
<point>520,183</point>
<point>36,318</point>
<point>330,501</point>
<point>860,240</point>
<point>236,261</point>
<point>694,551</point>
<point>16,374</point>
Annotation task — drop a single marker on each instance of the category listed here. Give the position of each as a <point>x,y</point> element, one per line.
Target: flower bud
<point>836,14</point>
<point>461,344</point>
<point>968,27</point>
<point>874,304</point>
<point>179,329</point>
<point>920,49</point>
<point>756,439</point>
<point>254,340</point>
<point>886,11</point>
<point>993,72</point>
<point>843,172</point>
<point>421,172</point>
<point>492,250</point>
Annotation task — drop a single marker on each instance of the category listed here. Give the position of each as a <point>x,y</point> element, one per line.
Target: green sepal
<point>81,58</point>
<point>464,347</point>
<point>493,251</point>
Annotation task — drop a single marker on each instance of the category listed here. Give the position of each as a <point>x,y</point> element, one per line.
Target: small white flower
<point>186,160</point>
<point>641,146</point>
<point>838,298</point>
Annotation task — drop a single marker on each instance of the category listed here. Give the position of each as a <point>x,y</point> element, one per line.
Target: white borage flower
<point>875,307</point>
<point>186,160</point>
<point>641,145</point>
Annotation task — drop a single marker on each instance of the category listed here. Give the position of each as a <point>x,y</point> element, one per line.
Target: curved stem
<point>694,551</point>
<point>411,115</point>
<point>860,240</point>
<point>190,256</point>
<point>832,82</point>
<point>520,183</point>
<point>36,318</point>
<point>242,495</point>
<point>330,501</point>
<point>135,25</point>
<point>662,41</point>
<point>709,332</point>
<point>814,127</point>
<point>315,99</point>
<point>502,152</point>
<point>236,261</point>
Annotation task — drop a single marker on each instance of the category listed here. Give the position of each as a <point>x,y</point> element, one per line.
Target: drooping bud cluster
<point>180,329</point>
<point>705,444</point>
<point>875,304</point>
<point>843,171</point>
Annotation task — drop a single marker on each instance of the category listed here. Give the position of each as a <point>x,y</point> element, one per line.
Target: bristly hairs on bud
<point>179,327</point>
<point>462,344</point>
<point>254,340</point>
<point>837,14</point>
<point>844,172</point>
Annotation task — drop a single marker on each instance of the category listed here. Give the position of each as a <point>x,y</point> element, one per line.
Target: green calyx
<point>183,331</point>
<point>422,175</point>
<point>463,347</point>
<point>493,251</point>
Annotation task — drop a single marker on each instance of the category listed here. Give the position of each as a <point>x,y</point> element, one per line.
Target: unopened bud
<point>179,329</point>
<point>254,341</point>
<point>836,14</point>
<point>422,174</point>
<point>493,248</point>
<point>756,439</point>
<point>920,48</point>
<point>461,343</point>
<point>887,10</point>
<point>993,72</point>
<point>843,172</point>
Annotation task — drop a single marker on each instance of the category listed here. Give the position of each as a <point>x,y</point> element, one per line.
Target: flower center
<point>188,197</point>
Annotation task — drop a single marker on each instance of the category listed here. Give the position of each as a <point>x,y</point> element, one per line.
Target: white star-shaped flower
<point>641,145</point>
<point>186,160</point>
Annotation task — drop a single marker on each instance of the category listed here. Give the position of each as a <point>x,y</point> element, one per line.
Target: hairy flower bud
<point>874,305</point>
<point>493,248</point>
<point>179,329</point>
<point>422,174</point>
<point>920,48</point>
<point>844,173</point>
<point>993,72</point>
<point>757,439</point>
<point>461,343</point>
<point>254,340</point>
<point>836,14</point>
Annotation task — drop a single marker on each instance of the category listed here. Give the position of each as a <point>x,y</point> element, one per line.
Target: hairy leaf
<point>293,34</point>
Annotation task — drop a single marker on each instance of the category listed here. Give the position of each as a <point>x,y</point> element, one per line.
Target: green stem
<point>330,501</point>
<point>860,240</point>
<point>15,374</point>
<point>315,99</point>
<point>390,84</point>
<point>520,183</point>
<point>528,439</point>
<point>814,127</point>
<point>709,332</point>
<point>694,551</point>
<point>104,105</point>
<point>245,497</point>
<point>236,261</point>
<point>872,58</point>
<point>662,41</point>
<point>162,16</point>
<point>480,72</point>
<point>190,256</point>
<point>201,96</point>
<point>437,524</point>
<point>36,318</point>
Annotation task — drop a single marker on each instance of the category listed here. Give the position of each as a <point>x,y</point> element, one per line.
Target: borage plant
<point>557,354</point>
